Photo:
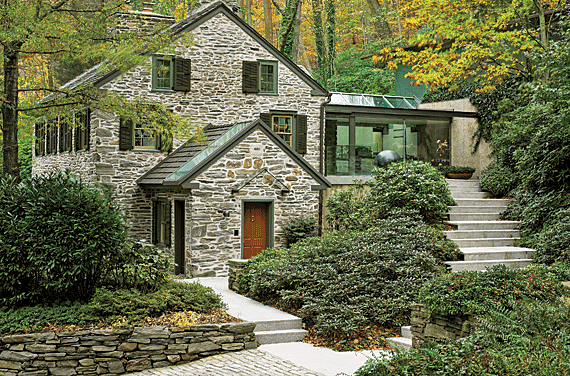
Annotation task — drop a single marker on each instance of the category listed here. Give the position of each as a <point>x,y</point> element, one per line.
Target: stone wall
<point>236,266</point>
<point>429,327</point>
<point>217,238</point>
<point>116,351</point>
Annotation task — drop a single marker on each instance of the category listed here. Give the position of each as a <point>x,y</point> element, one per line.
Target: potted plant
<point>456,172</point>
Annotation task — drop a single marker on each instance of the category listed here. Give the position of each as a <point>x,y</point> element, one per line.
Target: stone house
<point>208,202</point>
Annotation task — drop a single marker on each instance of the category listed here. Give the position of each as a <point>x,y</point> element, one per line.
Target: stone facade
<point>434,328</point>
<point>217,48</point>
<point>117,351</point>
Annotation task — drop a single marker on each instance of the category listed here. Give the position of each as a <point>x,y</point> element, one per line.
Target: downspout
<point>321,161</point>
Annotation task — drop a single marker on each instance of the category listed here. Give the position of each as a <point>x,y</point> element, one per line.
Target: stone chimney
<point>144,21</point>
<point>232,4</point>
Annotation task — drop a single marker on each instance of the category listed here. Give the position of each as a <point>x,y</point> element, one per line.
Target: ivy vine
<point>486,103</point>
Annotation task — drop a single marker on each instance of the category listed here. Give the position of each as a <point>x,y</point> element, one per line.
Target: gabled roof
<point>179,169</point>
<point>100,75</point>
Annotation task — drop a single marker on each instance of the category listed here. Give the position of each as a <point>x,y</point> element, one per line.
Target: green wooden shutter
<point>301,133</point>
<point>168,223</point>
<point>155,220</point>
<point>266,118</point>
<point>37,140</point>
<point>182,74</point>
<point>250,77</point>
<point>126,135</point>
<point>87,125</point>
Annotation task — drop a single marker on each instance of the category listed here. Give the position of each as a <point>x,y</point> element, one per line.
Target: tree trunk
<point>241,6</point>
<point>10,111</point>
<point>330,36</point>
<point>319,38</point>
<point>297,32</point>
<point>268,18</point>
<point>248,10</point>
<point>379,19</point>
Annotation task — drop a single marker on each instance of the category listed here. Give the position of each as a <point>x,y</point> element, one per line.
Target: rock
<point>195,348</point>
<point>138,365</point>
<point>127,346</point>
<point>62,371</point>
<point>17,356</point>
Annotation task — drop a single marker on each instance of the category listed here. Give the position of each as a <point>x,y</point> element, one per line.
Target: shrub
<point>348,279</point>
<point>135,305</point>
<point>299,228</point>
<point>553,243</point>
<point>498,179</point>
<point>475,292</point>
<point>56,238</point>
<point>409,185</point>
<point>455,170</point>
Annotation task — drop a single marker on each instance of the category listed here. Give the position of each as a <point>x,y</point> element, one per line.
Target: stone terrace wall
<point>116,351</point>
<point>236,267</point>
<point>429,327</point>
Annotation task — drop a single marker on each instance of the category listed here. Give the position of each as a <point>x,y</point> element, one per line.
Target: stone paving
<point>247,362</point>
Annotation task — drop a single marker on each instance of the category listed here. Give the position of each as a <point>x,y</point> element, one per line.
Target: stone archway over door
<point>256,228</point>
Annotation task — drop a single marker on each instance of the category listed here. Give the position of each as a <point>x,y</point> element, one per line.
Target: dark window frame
<point>162,222</point>
<point>82,129</point>
<point>40,142</point>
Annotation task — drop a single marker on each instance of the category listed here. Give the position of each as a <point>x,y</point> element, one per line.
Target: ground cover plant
<point>349,279</point>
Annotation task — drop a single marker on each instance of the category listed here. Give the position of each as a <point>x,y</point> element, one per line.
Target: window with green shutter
<point>137,136</point>
<point>65,134</point>
<point>40,138</point>
<point>170,73</point>
<point>291,127</point>
<point>82,128</point>
<point>260,77</point>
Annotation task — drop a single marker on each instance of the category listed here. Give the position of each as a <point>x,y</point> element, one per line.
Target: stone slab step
<point>406,331</point>
<point>457,266</point>
<point>280,336</point>
<point>278,324</point>
<point>476,209</point>
<point>399,342</point>
<point>485,234</point>
<point>469,194</point>
<point>496,253</point>
<point>462,182</point>
<point>485,242</point>
<point>473,216</point>
<point>501,202</point>
<point>484,225</point>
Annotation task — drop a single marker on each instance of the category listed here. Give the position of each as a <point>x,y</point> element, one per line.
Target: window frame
<point>155,71</point>
<point>147,134</point>
<point>162,222</point>
<point>292,117</point>
<point>65,136</point>
<point>82,121</point>
<point>275,81</point>
<point>41,134</point>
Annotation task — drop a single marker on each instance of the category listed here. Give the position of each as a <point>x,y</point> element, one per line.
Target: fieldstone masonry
<point>430,327</point>
<point>236,266</point>
<point>118,351</point>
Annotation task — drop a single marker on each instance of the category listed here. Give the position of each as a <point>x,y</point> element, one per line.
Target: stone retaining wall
<point>430,327</point>
<point>236,266</point>
<point>116,351</point>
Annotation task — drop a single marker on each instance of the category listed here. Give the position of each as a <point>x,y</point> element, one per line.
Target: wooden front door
<point>179,237</point>
<point>255,228</point>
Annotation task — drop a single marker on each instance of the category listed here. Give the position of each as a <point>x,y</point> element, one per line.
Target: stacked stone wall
<point>236,267</point>
<point>117,351</point>
<point>435,328</point>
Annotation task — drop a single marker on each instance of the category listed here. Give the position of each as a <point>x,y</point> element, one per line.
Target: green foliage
<point>299,228</point>
<point>498,179</point>
<point>533,339</point>
<point>409,185</point>
<point>455,170</point>
<point>138,266</point>
<point>134,305</point>
<point>56,238</point>
<point>553,243</point>
<point>24,157</point>
<point>357,75</point>
<point>478,292</point>
<point>348,279</point>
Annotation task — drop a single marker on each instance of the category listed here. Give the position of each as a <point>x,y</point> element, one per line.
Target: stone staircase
<point>279,330</point>
<point>483,238</point>
<point>404,342</point>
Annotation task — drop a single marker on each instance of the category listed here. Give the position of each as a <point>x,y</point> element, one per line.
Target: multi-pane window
<point>161,222</point>
<point>82,124</point>
<point>65,134</point>
<point>260,77</point>
<point>170,73</point>
<point>283,126</point>
<point>267,77</point>
<point>144,138</point>
<point>40,138</point>
<point>51,147</point>
<point>163,73</point>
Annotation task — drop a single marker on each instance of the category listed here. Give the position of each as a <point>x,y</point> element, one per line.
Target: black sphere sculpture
<point>384,158</point>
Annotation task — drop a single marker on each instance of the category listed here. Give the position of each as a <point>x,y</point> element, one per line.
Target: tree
<point>43,31</point>
<point>487,40</point>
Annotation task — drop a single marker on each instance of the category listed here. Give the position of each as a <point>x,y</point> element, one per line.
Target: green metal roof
<point>370,100</point>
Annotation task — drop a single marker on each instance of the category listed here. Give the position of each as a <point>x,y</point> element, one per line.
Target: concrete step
<point>280,336</point>
<point>486,234</point>
<point>498,202</point>
<point>484,225</point>
<point>406,331</point>
<point>473,216</point>
<point>477,209</point>
<point>496,253</point>
<point>400,342</point>
<point>278,324</point>
<point>469,194</point>
<point>485,242</point>
<point>462,182</point>
<point>457,266</point>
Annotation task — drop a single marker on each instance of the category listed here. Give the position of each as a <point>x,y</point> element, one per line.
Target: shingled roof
<point>103,73</point>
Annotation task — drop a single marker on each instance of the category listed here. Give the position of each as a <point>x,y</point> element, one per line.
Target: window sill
<point>162,90</point>
<point>147,150</point>
<point>270,94</point>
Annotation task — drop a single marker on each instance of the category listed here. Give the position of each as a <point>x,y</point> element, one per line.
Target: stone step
<point>469,194</point>
<point>485,242</point>
<point>462,182</point>
<point>484,225</point>
<point>406,331</point>
<point>473,216</point>
<point>486,234</point>
<point>280,336</point>
<point>476,209</point>
<point>482,202</point>
<point>278,324</point>
<point>496,253</point>
<point>457,266</point>
<point>399,342</point>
